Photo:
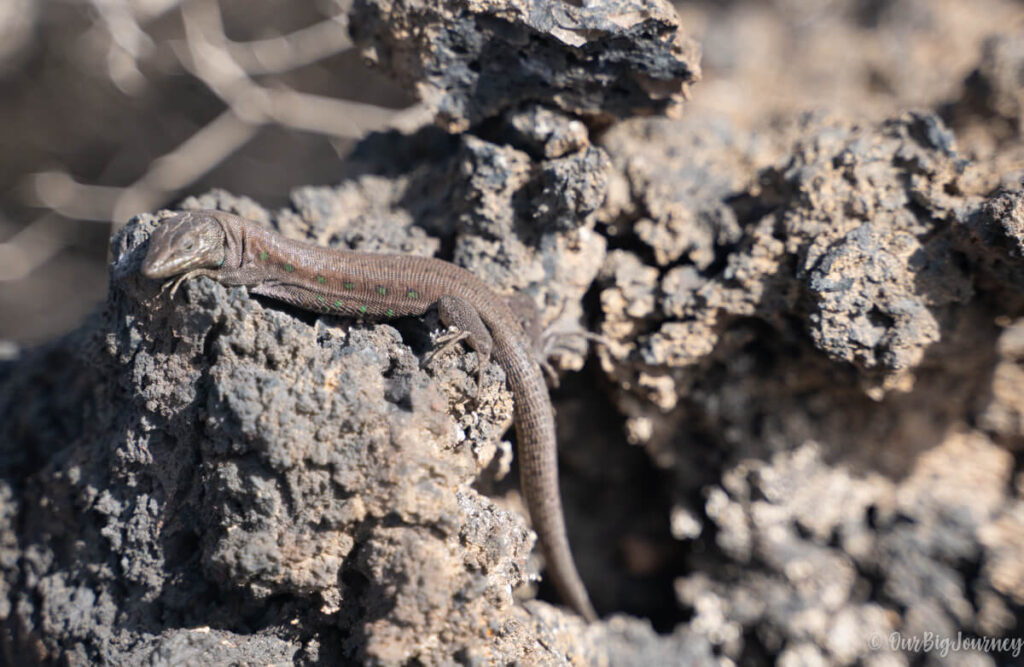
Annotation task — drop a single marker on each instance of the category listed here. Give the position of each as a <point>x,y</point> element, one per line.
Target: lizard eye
<point>188,244</point>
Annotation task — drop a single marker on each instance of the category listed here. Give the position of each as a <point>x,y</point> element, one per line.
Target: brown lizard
<point>236,251</point>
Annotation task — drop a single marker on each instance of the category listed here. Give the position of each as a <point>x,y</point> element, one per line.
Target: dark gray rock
<point>470,61</point>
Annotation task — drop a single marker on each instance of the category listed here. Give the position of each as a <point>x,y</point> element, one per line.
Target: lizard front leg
<point>174,284</point>
<point>459,314</point>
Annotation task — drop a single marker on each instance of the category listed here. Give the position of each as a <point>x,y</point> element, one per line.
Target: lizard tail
<point>538,473</point>
<point>562,568</point>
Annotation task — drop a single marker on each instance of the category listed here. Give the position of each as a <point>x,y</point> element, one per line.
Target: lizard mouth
<point>152,269</point>
<point>162,267</point>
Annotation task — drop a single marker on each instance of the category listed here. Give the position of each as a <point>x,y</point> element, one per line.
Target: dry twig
<point>228,69</point>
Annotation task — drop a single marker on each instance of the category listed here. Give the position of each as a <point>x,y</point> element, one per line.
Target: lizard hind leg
<point>459,314</point>
<point>554,340</point>
<point>547,342</point>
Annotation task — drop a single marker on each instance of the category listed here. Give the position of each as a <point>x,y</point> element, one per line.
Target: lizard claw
<point>549,373</point>
<point>444,343</point>
<point>174,284</point>
<point>552,340</point>
<point>479,384</point>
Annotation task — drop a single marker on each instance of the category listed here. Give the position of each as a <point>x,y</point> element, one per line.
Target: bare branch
<point>294,50</point>
<point>31,247</point>
<point>122,26</point>
<point>59,192</point>
<point>211,62</point>
<point>226,68</point>
<point>167,174</point>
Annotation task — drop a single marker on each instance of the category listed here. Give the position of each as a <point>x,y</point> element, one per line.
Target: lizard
<point>233,250</point>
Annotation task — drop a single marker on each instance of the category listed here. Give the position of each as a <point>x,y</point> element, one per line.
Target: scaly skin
<point>236,251</point>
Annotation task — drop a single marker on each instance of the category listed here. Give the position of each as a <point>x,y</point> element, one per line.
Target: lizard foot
<point>444,343</point>
<point>173,285</point>
<point>552,341</point>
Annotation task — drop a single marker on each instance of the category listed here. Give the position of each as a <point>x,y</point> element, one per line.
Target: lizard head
<point>184,242</point>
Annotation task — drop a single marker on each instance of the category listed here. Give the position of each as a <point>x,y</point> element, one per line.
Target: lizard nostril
<point>151,267</point>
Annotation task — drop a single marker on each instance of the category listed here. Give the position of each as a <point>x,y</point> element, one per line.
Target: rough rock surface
<point>473,60</point>
<point>301,485</point>
<point>812,332</point>
<point>834,389</point>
